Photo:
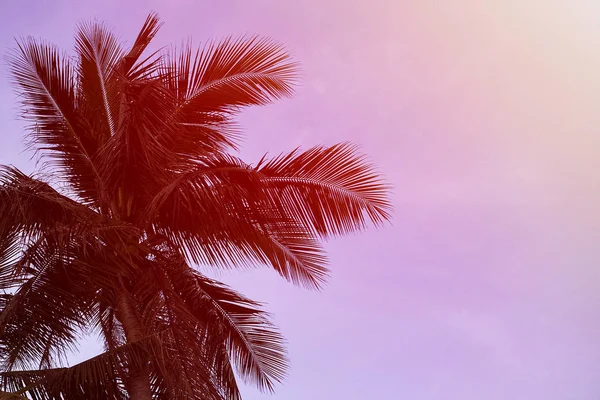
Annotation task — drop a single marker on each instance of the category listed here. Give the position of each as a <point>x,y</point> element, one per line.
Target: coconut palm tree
<point>147,188</point>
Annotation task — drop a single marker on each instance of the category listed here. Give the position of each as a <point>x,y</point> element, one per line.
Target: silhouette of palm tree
<point>148,188</point>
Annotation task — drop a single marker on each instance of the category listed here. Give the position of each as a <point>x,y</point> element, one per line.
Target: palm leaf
<point>11,396</point>
<point>130,65</point>
<point>332,190</point>
<point>34,206</point>
<point>95,378</point>
<point>99,52</point>
<point>39,323</point>
<point>220,213</point>
<point>254,345</point>
<point>196,364</point>
<point>232,73</point>
<point>46,83</point>
<point>211,83</point>
<point>62,283</point>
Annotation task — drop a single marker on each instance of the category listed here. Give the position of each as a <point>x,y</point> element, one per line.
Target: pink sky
<point>483,115</point>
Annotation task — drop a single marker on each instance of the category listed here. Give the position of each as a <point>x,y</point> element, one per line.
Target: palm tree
<point>141,147</point>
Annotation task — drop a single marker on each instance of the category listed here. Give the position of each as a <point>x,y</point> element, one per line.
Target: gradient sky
<point>484,116</point>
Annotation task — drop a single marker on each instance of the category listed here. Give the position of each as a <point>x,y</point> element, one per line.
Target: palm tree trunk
<point>138,384</point>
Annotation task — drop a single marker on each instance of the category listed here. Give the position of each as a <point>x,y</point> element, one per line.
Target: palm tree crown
<point>141,145</point>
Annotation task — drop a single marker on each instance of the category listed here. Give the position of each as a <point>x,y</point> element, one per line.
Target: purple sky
<point>484,116</point>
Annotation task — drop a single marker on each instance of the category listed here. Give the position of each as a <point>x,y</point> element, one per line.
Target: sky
<point>483,116</point>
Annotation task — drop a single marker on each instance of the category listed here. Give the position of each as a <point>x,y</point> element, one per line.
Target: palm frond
<point>221,214</point>
<point>232,73</point>
<point>211,83</point>
<point>39,323</point>
<point>61,284</point>
<point>253,344</point>
<point>46,84</point>
<point>32,206</point>
<point>11,396</point>
<point>198,354</point>
<point>95,378</point>
<point>10,252</point>
<point>332,190</point>
<point>130,65</point>
<point>99,52</point>
<point>256,347</point>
